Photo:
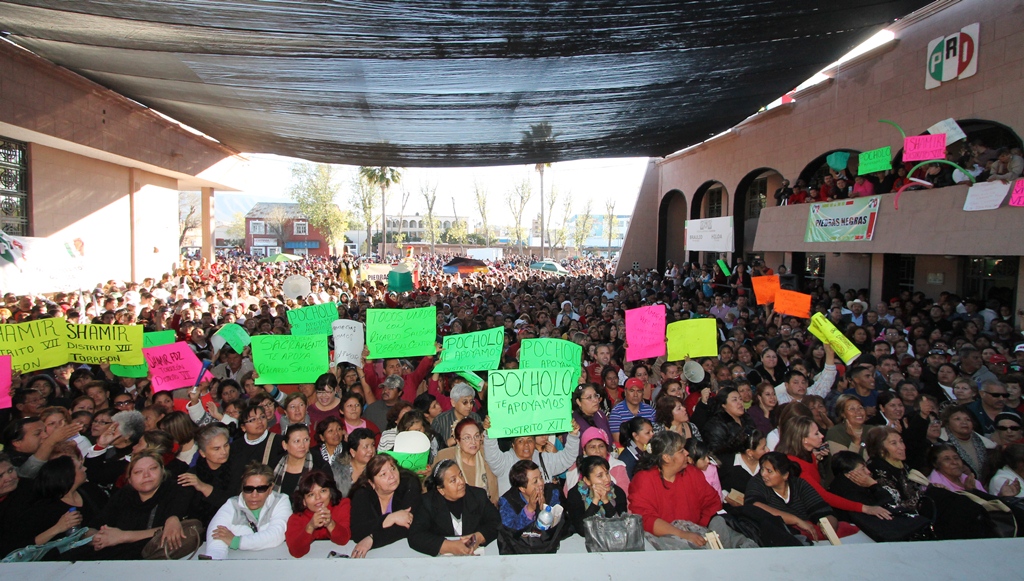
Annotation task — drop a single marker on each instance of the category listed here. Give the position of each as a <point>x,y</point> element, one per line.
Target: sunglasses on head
<point>260,489</point>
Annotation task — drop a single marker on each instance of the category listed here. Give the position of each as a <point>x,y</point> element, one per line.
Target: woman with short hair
<point>254,520</point>
<point>468,455</point>
<point>595,494</point>
<point>359,450</point>
<point>527,497</point>
<point>781,492</point>
<point>319,512</point>
<point>452,508</point>
<point>383,502</point>
<point>211,475</point>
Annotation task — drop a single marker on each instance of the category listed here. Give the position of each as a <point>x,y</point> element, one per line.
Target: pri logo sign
<point>952,57</point>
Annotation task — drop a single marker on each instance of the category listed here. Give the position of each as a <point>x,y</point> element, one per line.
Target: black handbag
<point>530,541</point>
<point>613,534</point>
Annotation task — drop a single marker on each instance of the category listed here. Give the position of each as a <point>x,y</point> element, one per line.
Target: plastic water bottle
<point>74,530</point>
<point>545,519</point>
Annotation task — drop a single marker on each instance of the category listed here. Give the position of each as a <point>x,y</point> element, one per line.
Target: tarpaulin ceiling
<point>449,82</point>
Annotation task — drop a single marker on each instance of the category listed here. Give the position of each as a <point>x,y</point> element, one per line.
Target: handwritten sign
<point>838,160</point>
<point>121,344</point>
<point>952,130</point>
<point>35,345</point>
<point>1017,197</point>
<point>232,334</point>
<point>824,330</point>
<point>793,303</point>
<point>529,402</point>
<point>645,332</point>
<point>692,338</point>
<point>5,382</point>
<point>313,320</point>
<point>348,341</point>
<point>289,358</point>
<point>148,340</point>
<point>401,332</point>
<point>985,196</point>
<point>478,351</point>
<point>765,288</point>
<point>875,160</point>
<point>173,366</point>
<point>550,353</point>
<point>924,147</point>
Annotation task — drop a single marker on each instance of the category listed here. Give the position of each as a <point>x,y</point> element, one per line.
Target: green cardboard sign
<point>530,402</point>
<point>725,267</point>
<point>875,160</point>
<point>545,353</point>
<point>235,336</point>
<point>155,339</point>
<point>474,380</point>
<point>401,332</point>
<point>414,462</point>
<point>289,358</point>
<point>478,351</point>
<point>313,320</point>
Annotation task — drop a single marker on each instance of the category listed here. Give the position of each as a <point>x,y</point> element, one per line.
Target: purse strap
<point>266,449</point>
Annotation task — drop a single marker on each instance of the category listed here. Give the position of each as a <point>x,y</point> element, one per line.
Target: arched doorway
<point>816,171</point>
<point>671,222</point>
<point>711,200</point>
<point>753,194</point>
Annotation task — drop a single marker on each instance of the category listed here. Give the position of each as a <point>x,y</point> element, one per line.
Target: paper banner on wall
<point>349,341</point>
<point>401,332</point>
<point>1017,194</point>
<point>5,381</point>
<point>838,160</point>
<point>43,265</point>
<point>284,359</point>
<point>550,353</point>
<point>93,344</point>
<point>173,366</point>
<point>155,339</point>
<point>692,338</point>
<point>985,196</point>
<point>645,332</point>
<point>374,272</point>
<point>35,345</point>
<point>233,334</point>
<point>710,234</point>
<point>477,351</point>
<point>950,127</point>
<point>313,320</point>
<point>764,288</point>
<point>924,147</point>
<point>824,330</point>
<point>875,160</point>
<point>793,303</point>
<point>529,402</point>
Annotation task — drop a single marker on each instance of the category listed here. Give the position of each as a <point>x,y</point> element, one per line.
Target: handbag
<point>193,529</point>
<point>530,541</point>
<point>615,534</point>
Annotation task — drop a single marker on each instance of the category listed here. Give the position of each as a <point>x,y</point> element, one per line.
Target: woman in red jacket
<point>318,512</point>
<point>803,442</point>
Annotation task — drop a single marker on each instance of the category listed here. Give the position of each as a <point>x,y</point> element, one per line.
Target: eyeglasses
<point>262,489</point>
<point>475,438</point>
<point>122,403</point>
<point>594,397</point>
<point>257,418</point>
<point>1008,428</point>
<point>999,395</point>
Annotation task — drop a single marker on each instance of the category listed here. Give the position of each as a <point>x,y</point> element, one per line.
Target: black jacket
<point>432,521</point>
<point>367,518</point>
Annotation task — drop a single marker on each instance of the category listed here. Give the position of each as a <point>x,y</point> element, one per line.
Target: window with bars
<point>905,273</point>
<point>757,198</point>
<point>300,228</point>
<point>715,203</point>
<point>13,187</point>
<point>257,227</point>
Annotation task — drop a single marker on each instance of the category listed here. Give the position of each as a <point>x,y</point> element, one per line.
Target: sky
<point>268,178</point>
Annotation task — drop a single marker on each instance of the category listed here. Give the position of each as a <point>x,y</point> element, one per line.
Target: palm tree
<point>383,177</point>
<point>538,141</point>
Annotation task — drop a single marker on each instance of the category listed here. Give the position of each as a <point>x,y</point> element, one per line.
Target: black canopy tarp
<point>449,82</point>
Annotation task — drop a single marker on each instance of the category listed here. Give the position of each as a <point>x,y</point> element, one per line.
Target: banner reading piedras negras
<point>529,402</point>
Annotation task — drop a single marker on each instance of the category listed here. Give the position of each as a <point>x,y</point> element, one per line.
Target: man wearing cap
<point>411,378</point>
<point>857,308</point>
<point>631,406</point>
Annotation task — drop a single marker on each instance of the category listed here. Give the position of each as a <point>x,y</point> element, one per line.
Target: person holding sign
<point>463,397</point>
<point>411,379</point>
<point>525,448</point>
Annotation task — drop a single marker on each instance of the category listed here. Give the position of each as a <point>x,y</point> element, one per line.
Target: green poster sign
<point>148,340</point>
<point>530,402</point>
<point>543,353</point>
<point>401,332</point>
<point>289,358</point>
<point>875,160</point>
<point>234,334</point>
<point>472,351</point>
<point>842,220</point>
<point>313,320</point>
<point>473,379</point>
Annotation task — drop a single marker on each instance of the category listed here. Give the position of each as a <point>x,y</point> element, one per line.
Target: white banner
<point>42,265</point>
<point>714,234</point>
<point>369,271</point>
<point>348,341</point>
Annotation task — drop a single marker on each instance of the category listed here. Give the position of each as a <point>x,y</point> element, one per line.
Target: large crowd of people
<point>773,442</point>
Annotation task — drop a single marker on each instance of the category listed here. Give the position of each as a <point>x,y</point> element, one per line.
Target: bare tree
<point>610,223</point>
<point>401,212</point>
<point>236,229</point>
<point>517,198</point>
<point>429,193</point>
<point>276,219</point>
<point>561,236</point>
<point>481,206</point>
<point>584,223</point>
<point>364,200</point>
<point>188,215</point>
<point>315,189</point>
<point>551,201</point>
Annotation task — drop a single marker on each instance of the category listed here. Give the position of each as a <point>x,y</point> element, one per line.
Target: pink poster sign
<point>173,366</point>
<point>1017,195</point>
<point>645,332</point>
<point>5,382</point>
<point>924,147</point>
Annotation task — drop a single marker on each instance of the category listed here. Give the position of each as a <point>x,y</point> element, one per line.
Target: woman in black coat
<point>450,509</point>
<point>595,494</point>
<point>728,423</point>
<point>383,502</point>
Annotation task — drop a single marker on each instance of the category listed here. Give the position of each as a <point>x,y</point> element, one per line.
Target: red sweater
<point>299,540</point>
<point>412,380</point>
<point>809,473</point>
<point>688,498</point>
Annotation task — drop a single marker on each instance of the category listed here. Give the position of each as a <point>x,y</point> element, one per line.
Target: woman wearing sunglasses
<point>254,520</point>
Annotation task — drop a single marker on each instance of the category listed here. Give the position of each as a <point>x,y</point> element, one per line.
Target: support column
<point>133,187</point>
<point>208,224</point>
<point>875,284</point>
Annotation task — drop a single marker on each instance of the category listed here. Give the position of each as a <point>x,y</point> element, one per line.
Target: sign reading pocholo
<point>478,351</point>
<point>528,402</point>
<point>313,320</point>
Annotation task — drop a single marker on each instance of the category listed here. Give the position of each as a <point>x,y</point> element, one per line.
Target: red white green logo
<point>952,57</point>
